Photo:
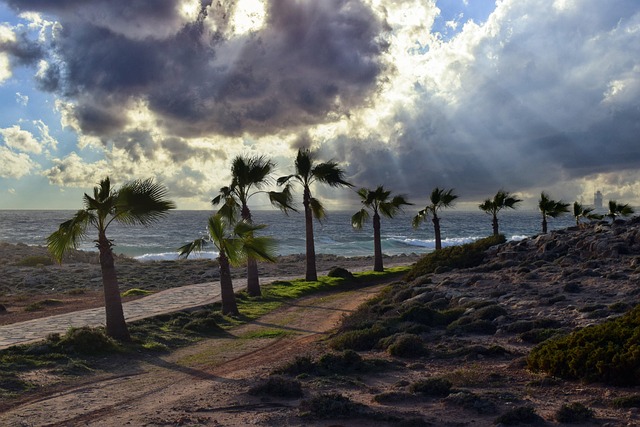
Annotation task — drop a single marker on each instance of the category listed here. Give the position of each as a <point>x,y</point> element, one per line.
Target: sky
<point>474,95</point>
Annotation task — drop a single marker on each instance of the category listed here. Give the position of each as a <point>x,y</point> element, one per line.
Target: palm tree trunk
<point>377,244</point>
<point>116,325</point>
<point>544,224</point>
<point>253,278</point>
<point>495,225</point>
<point>436,229</point>
<point>227,295</point>
<point>311,273</point>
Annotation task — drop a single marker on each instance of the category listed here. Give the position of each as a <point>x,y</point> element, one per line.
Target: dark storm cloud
<point>550,96</point>
<point>313,61</point>
<point>22,50</point>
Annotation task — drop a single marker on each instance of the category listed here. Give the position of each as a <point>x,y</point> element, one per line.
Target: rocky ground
<point>535,288</point>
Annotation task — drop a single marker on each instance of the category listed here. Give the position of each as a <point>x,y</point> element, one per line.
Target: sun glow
<point>249,16</point>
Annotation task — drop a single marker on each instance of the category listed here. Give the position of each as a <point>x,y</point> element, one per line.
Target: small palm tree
<point>550,208</point>
<point>235,244</point>
<point>249,176</point>
<point>377,201</point>
<point>583,212</point>
<point>618,209</point>
<point>502,200</point>
<point>306,174</point>
<point>137,202</point>
<point>439,199</point>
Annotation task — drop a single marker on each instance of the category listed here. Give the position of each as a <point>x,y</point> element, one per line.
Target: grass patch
<point>35,261</point>
<point>135,292</point>
<point>41,305</point>
<point>266,333</point>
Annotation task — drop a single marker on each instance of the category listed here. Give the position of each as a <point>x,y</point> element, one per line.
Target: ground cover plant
<point>608,352</point>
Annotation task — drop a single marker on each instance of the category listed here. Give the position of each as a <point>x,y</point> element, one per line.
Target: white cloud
<point>14,165</point>
<point>22,99</point>
<point>45,136</point>
<point>21,140</point>
<point>11,191</point>
<point>5,67</point>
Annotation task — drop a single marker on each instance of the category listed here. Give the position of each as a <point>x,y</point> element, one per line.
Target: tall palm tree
<point>502,200</point>
<point>138,202</point>
<point>249,176</point>
<point>439,199</point>
<point>618,209</point>
<point>235,244</point>
<point>307,173</point>
<point>379,202</point>
<point>584,212</point>
<point>550,208</point>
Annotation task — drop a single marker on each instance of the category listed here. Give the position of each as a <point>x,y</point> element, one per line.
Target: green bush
<point>34,261</point>
<point>359,339</point>
<point>609,352</point>
<point>404,345</point>
<point>85,340</point>
<point>471,401</point>
<point>278,386</point>
<point>332,405</point>
<point>574,413</point>
<point>436,387</point>
<point>521,415</point>
<point>341,273</point>
<point>463,256</point>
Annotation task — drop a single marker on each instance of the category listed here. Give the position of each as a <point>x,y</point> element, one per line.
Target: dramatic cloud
<point>20,140</point>
<point>533,97</point>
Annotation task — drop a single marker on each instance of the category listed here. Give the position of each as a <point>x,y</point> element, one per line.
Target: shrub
<point>521,415</point>
<point>632,401</point>
<point>359,339</point>
<point>436,387</point>
<point>536,336</point>
<point>463,256</point>
<point>574,413</point>
<point>206,325</point>
<point>86,340</point>
<point>609,352</point>
<point>341,273</point>
<point>391,397</point>
<point>471,401</point>
<point>404,345</point>
<point>332,405</point>
<point>278,386</point>
<point>34,261</point>
<point>467,325</point>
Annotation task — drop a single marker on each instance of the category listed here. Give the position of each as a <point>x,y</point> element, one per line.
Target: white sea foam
<point>172,256</point>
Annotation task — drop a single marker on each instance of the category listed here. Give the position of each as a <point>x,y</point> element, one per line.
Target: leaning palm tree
<point>306,174</point>
<point>618,209</point>
<point>379,203</point>
<point>439,199</point>
<point>137,202</point>
<point>249,176</point>
<point>502,200</point>
<point>235,243</point>
<point>550,208</point>
<point>583,212</point>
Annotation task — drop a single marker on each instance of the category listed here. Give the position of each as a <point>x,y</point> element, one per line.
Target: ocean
<point>333,236</point>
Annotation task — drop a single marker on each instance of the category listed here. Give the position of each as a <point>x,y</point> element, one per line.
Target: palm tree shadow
<point>195,373</point>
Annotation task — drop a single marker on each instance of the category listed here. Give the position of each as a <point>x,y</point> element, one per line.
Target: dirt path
<point>196,385</point>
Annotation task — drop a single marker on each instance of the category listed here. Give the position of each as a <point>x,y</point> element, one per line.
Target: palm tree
<point>137,202</point>
<point>439,199</point>
<point>377,201</point>
<point>249,176</point>
<point>618,209</point>
<point>584,212</point>
<point>234,247</point>
<point>306,174</point>
<point>550,208</point>
<point>502,200</point>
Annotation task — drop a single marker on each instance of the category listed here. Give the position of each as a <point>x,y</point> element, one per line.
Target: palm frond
<point>261,248</point>
<point>141,202</point>
<point>195,246</point>
<point>217,226</point>
<point>303,162</point>
<point>487,206</point>
<point>283,200</point>
<point>359,218</point>
<point>69,233</point>
<point>244,229</point>
<point>422,215</point>
<point>317,209</point>
<point>331,174</point>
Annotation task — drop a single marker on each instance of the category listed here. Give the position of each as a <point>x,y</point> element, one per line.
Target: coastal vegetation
<point>378,201</point>
<point>439,199</point>
<point>307,172</point>
<point>250,174</point>
<point>135,203</point>
<point>502,200</point>
<point>581,212</point>
<point>550,208</point>
<point>235,243</point>
<point>618,209</point>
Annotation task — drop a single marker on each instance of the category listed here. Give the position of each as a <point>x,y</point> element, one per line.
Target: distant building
<point>597,200</point>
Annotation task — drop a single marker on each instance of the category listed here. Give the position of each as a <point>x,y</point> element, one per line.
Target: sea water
<point>334,235</point>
